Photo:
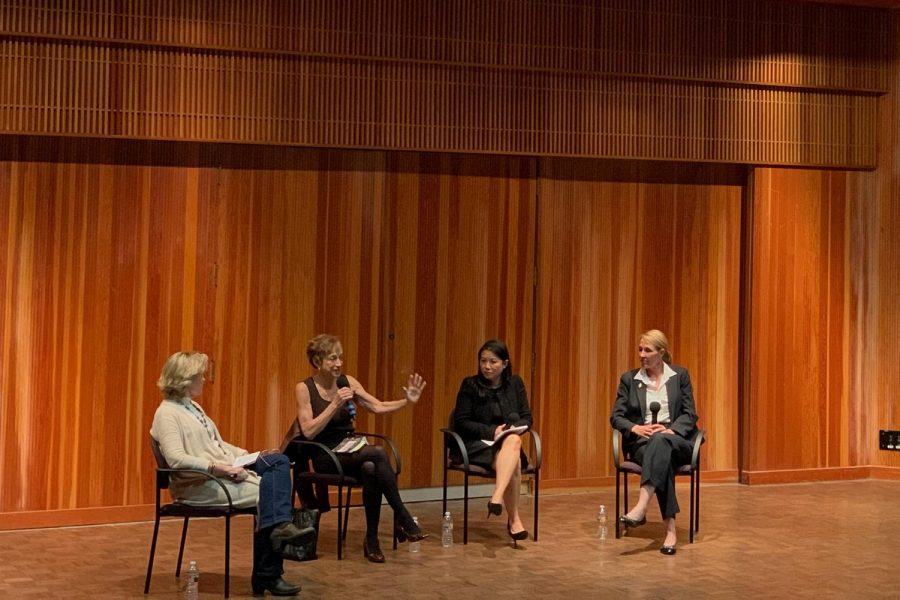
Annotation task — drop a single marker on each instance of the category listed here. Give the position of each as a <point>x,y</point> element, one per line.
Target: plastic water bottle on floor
<point>602,531</point>
<point>415,546</point>
<point>447,531</point>
<point>191,591</point>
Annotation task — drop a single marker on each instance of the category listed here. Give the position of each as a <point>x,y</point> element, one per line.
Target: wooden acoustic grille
<point>732,81</point>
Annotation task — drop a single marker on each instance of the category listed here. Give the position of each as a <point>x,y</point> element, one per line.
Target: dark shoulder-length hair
<point>499,349</point>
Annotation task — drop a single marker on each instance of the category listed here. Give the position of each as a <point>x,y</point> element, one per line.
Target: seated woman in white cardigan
<point>188,439</point>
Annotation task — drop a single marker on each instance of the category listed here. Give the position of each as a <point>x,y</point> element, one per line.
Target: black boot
<point>274,585</point>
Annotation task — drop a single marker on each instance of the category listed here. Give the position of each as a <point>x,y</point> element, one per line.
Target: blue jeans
<point>275,506</point>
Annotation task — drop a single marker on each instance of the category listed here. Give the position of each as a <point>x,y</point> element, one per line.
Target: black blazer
<point>476,416</point>
<point>631,403</point>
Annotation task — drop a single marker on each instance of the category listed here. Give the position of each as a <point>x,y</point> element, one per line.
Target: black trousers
<point>659,458</point>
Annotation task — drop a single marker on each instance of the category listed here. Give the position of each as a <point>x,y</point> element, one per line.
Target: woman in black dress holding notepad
<point>325,413</point>
<point>487,405</point>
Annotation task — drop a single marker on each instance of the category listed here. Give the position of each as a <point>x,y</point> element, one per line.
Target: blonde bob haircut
<point>658,340</point>
<point>319,347</point>
<point>179,371</point>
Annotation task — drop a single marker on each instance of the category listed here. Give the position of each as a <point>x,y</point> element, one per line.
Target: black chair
<point>178,509</point>
<point>456,458</point>
<point>301,450</point>
<point>625,466</point>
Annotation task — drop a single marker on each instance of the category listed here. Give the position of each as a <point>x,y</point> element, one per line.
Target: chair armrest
<point>538,455</point>
<point>203,474</point>
<point>699,439</point>
<point>616,447</point>
<point>449,434</point>
<point>338,469</point>
<point>391,445</point>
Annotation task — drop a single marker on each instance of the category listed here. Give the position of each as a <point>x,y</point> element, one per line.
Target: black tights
<point>372,467</point>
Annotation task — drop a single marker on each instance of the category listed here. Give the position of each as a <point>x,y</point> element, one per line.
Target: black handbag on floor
<point>304,517</point>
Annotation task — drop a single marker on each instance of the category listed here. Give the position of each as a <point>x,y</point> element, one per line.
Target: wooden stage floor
<point>832,540</point>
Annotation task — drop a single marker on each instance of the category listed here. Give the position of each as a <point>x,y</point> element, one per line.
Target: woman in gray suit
<point>655,413</point>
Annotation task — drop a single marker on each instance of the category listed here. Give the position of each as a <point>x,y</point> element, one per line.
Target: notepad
<point>246,460</point>
<point>351,444</point>
<point>517,429</point>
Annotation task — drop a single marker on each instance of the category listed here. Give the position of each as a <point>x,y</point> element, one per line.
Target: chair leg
<point>697,518</point>
<point>347,512</point>
<point>227,552</point>
<point>693,504</point>
<point>152,554</point>
<point>537,496</point>
<point>340,536</point>
<point>466,509</point>
<point>444,506</point>
<point>181,547</point>
<point>618,525</point>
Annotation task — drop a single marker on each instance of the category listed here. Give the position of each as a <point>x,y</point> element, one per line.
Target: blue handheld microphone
<point>343,382</point>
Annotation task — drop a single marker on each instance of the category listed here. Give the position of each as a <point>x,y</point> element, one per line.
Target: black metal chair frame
<point>339,479</point>
<point>453,441</point>
<point>624,467</point>
<point>177,509</point>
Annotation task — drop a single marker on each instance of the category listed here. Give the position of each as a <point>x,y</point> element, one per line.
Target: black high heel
<point>668,550</point>
<point>517,536</point>
<point>402,534</point>
<point>374,554</point>
<point>494,509</point>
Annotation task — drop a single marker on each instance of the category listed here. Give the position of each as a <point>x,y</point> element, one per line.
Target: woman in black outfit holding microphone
<point>487,404</point>
<point>325,412</point>
<point>655,413</point>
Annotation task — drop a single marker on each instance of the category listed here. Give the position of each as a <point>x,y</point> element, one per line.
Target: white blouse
<point>660,395</point>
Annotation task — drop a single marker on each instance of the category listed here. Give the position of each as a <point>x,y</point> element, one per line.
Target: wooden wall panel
<point>99,283</point>
<point>623,250</point>
<point>413,260</point>
<point>799,406</point>
<point>458,270</point>
<point>875,254</point>
<point>715,81</point>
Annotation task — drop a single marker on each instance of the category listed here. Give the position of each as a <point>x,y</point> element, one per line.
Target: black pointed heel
<point>402,534</point>
<point>517,536</point>
<point>494,509</point>
<point>668,550</point>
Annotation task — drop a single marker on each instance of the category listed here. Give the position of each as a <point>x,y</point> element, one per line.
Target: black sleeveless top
<point>339,427</point>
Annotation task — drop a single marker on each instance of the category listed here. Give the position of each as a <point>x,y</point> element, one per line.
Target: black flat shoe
<point>275,586</point>
<point>629,522</point>
<point>494,509</point>
<point>517,536</point>
<point>667,550</point>
<point>288,533</point>
<point>374,554</point>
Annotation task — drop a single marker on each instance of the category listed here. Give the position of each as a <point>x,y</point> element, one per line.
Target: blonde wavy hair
<point>179,371</point>
<point>658,340</point>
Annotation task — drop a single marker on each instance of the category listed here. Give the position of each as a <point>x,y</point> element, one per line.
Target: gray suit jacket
<point>631,403</point>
